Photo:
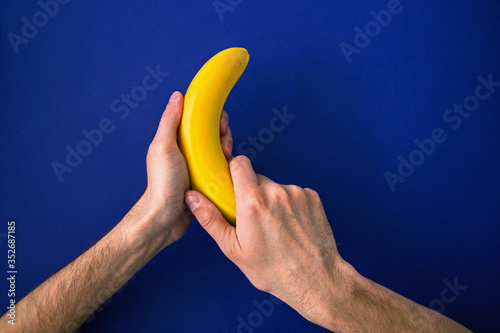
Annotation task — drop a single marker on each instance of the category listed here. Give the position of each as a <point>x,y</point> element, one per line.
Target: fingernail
<point>174,96</point>
<point>230,148</point>
<point>192,201</point>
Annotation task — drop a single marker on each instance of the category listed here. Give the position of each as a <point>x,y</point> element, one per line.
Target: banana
<point>199,137</point>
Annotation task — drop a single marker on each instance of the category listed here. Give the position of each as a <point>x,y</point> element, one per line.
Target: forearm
<point>64,301</point>
<point>365,306</point>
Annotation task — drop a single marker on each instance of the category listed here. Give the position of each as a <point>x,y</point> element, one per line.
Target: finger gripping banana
<point>199,136</point>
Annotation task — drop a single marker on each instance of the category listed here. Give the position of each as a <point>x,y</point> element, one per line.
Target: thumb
<point>211,219</point>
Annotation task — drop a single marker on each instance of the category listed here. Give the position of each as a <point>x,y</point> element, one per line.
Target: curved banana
<point>199,136</point>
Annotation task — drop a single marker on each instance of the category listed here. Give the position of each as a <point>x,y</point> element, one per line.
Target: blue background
<point>352,122</point>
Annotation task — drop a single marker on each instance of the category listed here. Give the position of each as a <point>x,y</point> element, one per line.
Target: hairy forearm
<point>64,301</point>
<point>365,306</point>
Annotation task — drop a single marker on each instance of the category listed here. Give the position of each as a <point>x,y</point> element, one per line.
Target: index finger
<point>243,176</point>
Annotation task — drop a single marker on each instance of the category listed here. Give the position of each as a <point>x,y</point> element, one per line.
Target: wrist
<point>335,308</point>
<point>142,230</point>
<point>365,306</point>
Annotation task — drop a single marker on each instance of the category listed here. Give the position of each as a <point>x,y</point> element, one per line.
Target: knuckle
<point>206,217</point>
<point>295,190</point>
<point>159,149</point>
<point>314,197</point>
<point>312,193</point>
<point>239,160</point>
<point>281,199</point>
<point>231,250</point>
<point>277,191</point>
<point>150,157</point>
<point>262,285</point>
<point>229,138</point>
<point>224,116</point>
<point>156,148</point>
<point>256,201</point>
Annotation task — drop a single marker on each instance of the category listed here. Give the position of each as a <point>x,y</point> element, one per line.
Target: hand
<point>168,178</point>
<point>159,218</point>
<point>282,241</point>
<point>284,244</point>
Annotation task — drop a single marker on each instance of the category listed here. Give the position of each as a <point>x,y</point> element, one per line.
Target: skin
<point>158,219</point>
<point>283,243</point>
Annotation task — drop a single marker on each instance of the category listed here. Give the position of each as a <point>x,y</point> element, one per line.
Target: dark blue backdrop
<point>365,79</point>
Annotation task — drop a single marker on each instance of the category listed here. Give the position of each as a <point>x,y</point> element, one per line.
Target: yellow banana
<point>199,137</point>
